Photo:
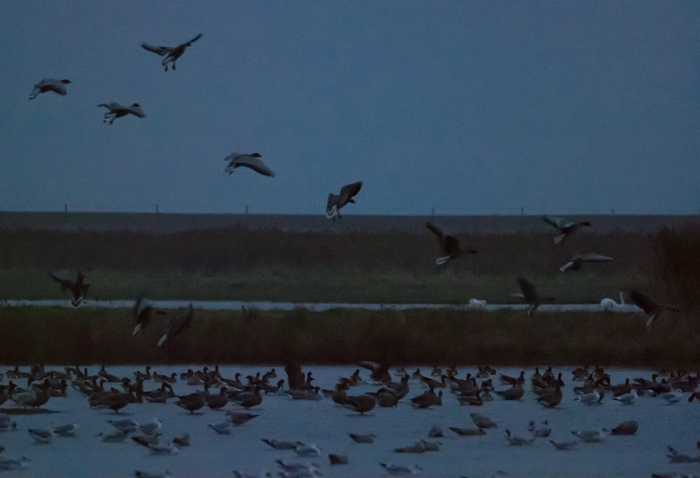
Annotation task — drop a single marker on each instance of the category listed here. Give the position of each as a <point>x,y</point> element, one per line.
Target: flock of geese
<point>236,396</point>
<point>236,160</point>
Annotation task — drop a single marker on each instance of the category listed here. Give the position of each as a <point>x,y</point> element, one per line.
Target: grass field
<point>341,336</point>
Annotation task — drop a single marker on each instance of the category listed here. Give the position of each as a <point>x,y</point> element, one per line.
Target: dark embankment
<point>418,336</point>
<point>678,264</point>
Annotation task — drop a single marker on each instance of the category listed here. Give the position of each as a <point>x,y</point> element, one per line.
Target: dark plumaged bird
<point>143,312</point>
<point>170,54</point>
<point>252,161</point>
<point>564,226</point>
<point>176,324</point>
<point>651,308</point>
<point>117,111</point>
<point>335,203</point>
<point>49,84</point>
<point>529,295</point>
<point>78,287</point>
<point>449,245</point>
<point>577,261</point>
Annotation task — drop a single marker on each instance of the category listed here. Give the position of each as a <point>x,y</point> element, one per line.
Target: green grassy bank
<point>418,336</point>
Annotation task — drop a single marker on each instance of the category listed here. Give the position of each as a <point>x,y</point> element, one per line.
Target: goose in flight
<point>577,261</point>
<point>651,308</point>
<point>176,324</point>
<point>564,226</point>
<point>49,84</point>
<point>78,287</point>
<point>170,54</point>
<point>143,312</point>
<point>529,295</point>
<point>449,245</point>
<point>252,161</point>
<point>117,111</point>
<point>335,203</point>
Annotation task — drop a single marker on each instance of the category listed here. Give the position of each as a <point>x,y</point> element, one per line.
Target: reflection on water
<point>327,425</point>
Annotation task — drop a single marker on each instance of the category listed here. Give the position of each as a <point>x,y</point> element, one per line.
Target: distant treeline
<point>240,249</point>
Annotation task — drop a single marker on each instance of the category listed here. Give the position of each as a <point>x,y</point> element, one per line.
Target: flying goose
<point>170,54</point>
<point>117,111</point>
<point>335,203</point>
<point>176,324</point>
<point>577,261</point>
<point>529,295</point>
<point>78,287</point>
<point>49,84</point>
<point>449,245</point>
<point>143,311</point>
<point>564,226</point>
<point>651,308</point>
<point>252,161</point>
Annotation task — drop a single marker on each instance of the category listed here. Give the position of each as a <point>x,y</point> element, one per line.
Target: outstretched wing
<point>65,283</point>
<point>158,50</point>
<point>527,289</point>
<point>435,230</point>
<point>642,301</point>
<point>593,257</point>
<point>558,222</point>
<point>348,191</point>
<point>251,161</point>
<point>194,39</point>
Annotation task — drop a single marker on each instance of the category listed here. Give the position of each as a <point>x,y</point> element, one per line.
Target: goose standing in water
<point>335,203</point>
<point>49,84</point>
<point>252,161</point>
<point>170,54</point>
<point>117,111</point>
<point>449,245</point>
<point>577,261</point>
<point>651,308</point>
<point>78,287</point>
<point>564,226</point>
<point>176,324</point>
<point>529,295</point>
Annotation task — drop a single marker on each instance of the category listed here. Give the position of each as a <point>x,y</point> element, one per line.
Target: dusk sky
<point>470,107</point>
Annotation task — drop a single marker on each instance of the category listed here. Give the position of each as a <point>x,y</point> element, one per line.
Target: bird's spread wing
<point>527,288</point>
<point>348,191</point>
<point>194,39</point>
<point>642,301</point>
<point>558,222</point>
<point>159,50</point>
<point>434,229</point>
<point>593,257</point>
<point>253,162</point>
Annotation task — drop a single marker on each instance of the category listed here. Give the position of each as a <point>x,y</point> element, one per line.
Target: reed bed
<point>342,336</point>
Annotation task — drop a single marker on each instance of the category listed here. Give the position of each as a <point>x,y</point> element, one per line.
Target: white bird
<point>68,430</point>
<point>117,436</point>
<point>592,398</point>
<point>590,436</point>
<point>577,261</point>
<point>610,304</point>
<point>125,424</point>
<point>628,398</point>
<point>170,449</point>
<point>477,304</point>
<point>564,226</point>
<point>49,84</point>
<point>223,428</point>
<point>394,469</point>
<point>564,445</point>
<point>170,54</point>
<point>672,397</point>
<point>41,435</point>
<point>307,451</point>
<point>543,430</point>
<point>252,161</point>
<point>117,111</point>
<point>516,440</point>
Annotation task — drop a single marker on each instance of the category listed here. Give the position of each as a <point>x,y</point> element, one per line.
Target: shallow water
<point>327,425</point>
<point>315,306</point>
